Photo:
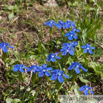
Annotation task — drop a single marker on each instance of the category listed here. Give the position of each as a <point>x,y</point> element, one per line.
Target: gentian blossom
<point>69,48</point>
<point>45,70</point>
<point>71,35</point>
<point>19,67</point>
<point>50,23</point>
<point>87,48</point>
<point>61,24</point>
<point>86,89</point>
<point>70,24</point>
<point>52,57</point>
<point>76,65</point>
<point>4,46</point>
<point>57,74</point>
<point>75,30</point>
<point>34,69</point>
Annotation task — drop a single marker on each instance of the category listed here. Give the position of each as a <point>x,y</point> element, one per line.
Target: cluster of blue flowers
<point>42,70</point>
<point>68,48</point>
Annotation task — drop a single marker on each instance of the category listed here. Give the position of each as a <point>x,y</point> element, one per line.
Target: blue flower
<point>86,89</point>
<point>50,23</point>
<point>4,45</point>
<point>57,74</point>
<point>45,70</point>
<point>61,24</point>
<point>75,30</point>
<point>34,68</point>
<point>70,24</point>
<point>71,35</point>
<point>76,65</point>
<point>19,67</point>
<point>52,57</point>
<point>87,48</point>
<point>69,48</point>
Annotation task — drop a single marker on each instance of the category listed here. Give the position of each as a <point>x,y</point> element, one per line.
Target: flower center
<point>88,48</point>
<point>77,66</point>
<point>44,70</point>
<point>86,88</point>
<point>59,74</point>
<point>52,56</point>
<point>67,50</point>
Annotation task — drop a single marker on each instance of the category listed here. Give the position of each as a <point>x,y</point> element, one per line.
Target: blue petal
<point>54,71</point>
<point>10,46</point>
<point>21,70</point>
<point>47,73</point>
<point>86,92</point>
<point>15,69</point>
<point>83,68</point>
<point>92,47</point>
<point>91,92</point>
<point>85,50</point>
<point>55,24</point>
<point>70,38</point>
<point>41,74</point>
<point>75,37</point>
<point>44,65</point>
<point>50,25</point>
<point>77,30</point>
<point>67,34</point>
<point>77,70</point>
<point>1,45</point>
<point>53,59</point>
<point>88,45</point>
<point>60,78</point>
<point>90,51</point>
<point>47,23</point>
<point>64,53</point>
<point>83,47</point>
<point>5,49</point>
<point>82,88</point>
<point>54,77</point>
<point>50,68</point>
<point>66,76</point>
<point>58,57</point>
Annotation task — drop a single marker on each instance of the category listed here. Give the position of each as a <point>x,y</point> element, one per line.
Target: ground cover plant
<point>46,53</point>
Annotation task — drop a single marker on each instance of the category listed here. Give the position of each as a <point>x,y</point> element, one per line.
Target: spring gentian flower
<point>51,23</point>
<point>52,57</point>
<point>75,30</point>
<point>61,24</point>
<point>34,69</point>
<point>70,24</point>
<point>19,67</point>
<point>87,48</point>
<point>69,48</point>
<point>4,45</point>
<point>45,70</point>
<point>76,65</point>
<point>57,74</point>
<point>86,89</point>
<point>71,35</point>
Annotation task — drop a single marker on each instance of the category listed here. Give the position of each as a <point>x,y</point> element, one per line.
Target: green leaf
<point>16,101</point>
<point>83,80</point>
<point>95,66</point>
<point>9,100</point>
<point>91,101</point>
<point>76,90</point>
<point>11,15</point>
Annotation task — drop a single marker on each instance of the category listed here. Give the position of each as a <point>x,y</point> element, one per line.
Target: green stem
<point>34,77</point>
<point>74,77</point>
<point>58,84</point>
